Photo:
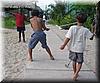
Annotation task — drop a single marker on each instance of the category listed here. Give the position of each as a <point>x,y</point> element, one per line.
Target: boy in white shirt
<point>76,37</point>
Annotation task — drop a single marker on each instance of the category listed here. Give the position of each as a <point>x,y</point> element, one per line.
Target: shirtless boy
<point>38,27</point>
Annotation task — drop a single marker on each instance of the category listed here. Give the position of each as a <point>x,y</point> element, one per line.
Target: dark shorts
<point>38,36</point>
<point>76,57</point>
<point>21,28</point>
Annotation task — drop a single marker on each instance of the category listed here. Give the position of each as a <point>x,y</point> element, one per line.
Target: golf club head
<point>67,65</point>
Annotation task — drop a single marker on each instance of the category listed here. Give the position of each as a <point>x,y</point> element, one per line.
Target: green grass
<point>9,22</point>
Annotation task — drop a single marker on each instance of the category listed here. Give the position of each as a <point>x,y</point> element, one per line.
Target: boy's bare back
<point>37,23</point>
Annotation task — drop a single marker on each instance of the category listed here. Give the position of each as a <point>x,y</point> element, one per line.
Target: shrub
<point>51,22</point>
<point>88,23</point>
<point>8,22</point>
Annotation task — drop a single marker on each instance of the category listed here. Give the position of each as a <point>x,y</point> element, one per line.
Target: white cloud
<point>43,3</point>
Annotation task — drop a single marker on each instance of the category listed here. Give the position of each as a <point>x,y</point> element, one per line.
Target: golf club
<point>67,65</point>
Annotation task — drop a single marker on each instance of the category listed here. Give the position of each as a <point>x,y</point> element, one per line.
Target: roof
<point>16,4</point>
<point>23,4</point>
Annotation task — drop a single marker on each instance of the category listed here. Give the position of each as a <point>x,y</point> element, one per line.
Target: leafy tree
<point>64,13</point>
<point>57,12</point>
<point>89,9</point>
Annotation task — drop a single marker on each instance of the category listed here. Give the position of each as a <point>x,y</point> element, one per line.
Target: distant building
<point>15,6</point>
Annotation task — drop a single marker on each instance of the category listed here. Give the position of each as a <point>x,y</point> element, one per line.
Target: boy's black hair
<point>81,17</point>
<point>35,12</point>
<point>41,15</point>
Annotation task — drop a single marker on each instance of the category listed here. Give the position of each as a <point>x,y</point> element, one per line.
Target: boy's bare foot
<point>75,77</point>
<point>24,41</point>
<point>19,41</point>
<point>74,74</point>
<point>31,60</point>
<point>52,58</point>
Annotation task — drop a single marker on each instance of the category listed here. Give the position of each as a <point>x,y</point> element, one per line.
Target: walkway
<point>42,68</point>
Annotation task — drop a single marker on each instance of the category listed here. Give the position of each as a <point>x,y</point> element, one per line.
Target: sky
<point>42,3</point>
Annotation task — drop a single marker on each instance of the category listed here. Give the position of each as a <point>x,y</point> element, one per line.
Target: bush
<point>51,22</point>
<point>69,21</point>
<point>88,23</point>
<point>66,20</point>
<point>9,22</point>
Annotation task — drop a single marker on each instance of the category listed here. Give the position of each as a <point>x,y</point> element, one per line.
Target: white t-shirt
<point>77,35</point>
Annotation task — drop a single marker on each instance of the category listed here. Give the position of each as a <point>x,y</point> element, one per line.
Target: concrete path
<point>42,68</point>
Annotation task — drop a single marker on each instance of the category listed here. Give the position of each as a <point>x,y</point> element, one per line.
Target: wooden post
<point>98,36</point>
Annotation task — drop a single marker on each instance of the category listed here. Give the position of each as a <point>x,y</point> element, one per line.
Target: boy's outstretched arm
<point>66,40</point>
